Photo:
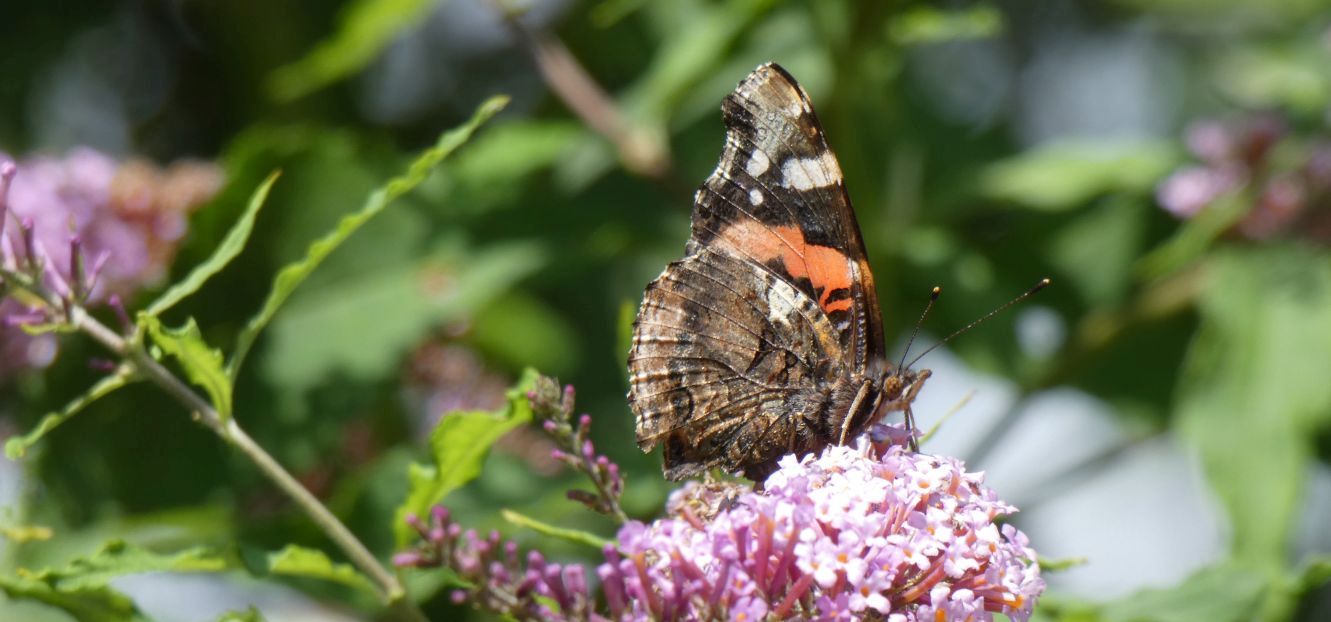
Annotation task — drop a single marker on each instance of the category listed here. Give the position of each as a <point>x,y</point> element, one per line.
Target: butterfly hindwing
<point>720,350</point>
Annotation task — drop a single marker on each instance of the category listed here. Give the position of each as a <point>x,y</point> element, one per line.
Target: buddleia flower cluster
<point>86,228</point>
<point>867,531</point>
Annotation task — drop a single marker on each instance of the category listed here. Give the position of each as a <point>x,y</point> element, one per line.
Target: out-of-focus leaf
<point>519,330</point>
<point>16,447</point>
<point>298,561</point>
<point>80,588</point>
<point>1196,235</point>
<point>26,533</point>
<point>292,275</point>
<point>202,364</point>
<point>366,28</point>
<point>1064,175</point>
<point>576,536</point>
<point>1216,594</point>
<point>251,614</point>
<point>924,24</point>
<point>490,172</point>
<point>1059,565</point>
<point>1254,386</point>
<point>231,246</point>
<point>1097,249</point>
<point>459,445</point>
<point>1316,573</point>
<point>1294,75</point>
<point>361,327</point>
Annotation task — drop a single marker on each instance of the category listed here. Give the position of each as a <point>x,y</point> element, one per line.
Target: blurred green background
<point>1162,411</point>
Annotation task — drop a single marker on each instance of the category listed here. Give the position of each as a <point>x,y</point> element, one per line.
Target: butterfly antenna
<point>1028,293</point>
<point>933,297</point>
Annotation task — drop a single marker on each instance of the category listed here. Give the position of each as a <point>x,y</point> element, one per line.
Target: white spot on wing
<point>781,298</point>
<point>758,163</point>
<point>755,197</point>
<point>810,173</point>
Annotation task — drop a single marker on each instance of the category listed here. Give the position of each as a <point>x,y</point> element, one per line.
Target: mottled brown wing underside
<point>719,351</point>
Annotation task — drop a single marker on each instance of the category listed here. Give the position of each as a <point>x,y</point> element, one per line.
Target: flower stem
<point>387,585</point>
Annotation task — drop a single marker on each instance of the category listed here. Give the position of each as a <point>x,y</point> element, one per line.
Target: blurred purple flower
<point>1288,195</point>
<point>94,228</point>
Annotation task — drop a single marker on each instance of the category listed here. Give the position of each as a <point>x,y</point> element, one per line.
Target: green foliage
<point>201,362</point>
<point>17,446</point>
<point>367,27</point>
<point>1220,593</point>
<point>80,588</point>
<point>225,252</point>
<point>251,614</point>
<point>298,561</point>
<point>1254,388</point>
<point>576,536</point>
<point>1065,175</point>
<point>459,445</point>
<point>291,276</point>
<point>925,24</point>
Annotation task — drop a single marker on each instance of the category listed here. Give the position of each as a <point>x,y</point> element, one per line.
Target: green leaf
<point>1316,573</point>
<point>361,327</point>
<point>1195,237</point>
<point>16,447</point>
<point>1059,565</point>
<point>1061,176</point>
<point>1098,247</point>
<point>231,246</point>
<point>1216,594</point>
<point>80,589</point>
<point>924,24</point>
<point>366,28</point>
<point>202,364</point>
<point>26,533</point>
<point>1254,389</point>
<point>575,536</point>
<point>292,275</point>
<point>251,614</point>
<point>459,445</point>
<point>297,561</point>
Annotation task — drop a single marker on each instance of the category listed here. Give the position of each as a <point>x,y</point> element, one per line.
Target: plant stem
<point>390,590</point>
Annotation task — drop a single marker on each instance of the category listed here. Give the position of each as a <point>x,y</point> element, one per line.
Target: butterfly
<point>766,339</point>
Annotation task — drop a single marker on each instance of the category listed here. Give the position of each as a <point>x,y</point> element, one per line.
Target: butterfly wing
<point>743,348</point>
<point>777,198</point>
<point>721,351</point>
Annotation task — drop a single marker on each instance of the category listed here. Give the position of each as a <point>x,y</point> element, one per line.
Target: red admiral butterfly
<point>766,338</point>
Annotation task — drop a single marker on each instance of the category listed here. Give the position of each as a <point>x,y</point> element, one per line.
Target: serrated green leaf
<point>1216,594</point>
<point>1062,176</point>
<point>80,589</point>
<point>459,445</point>
<point>202,364</point>
<point>1254,389</point>
<point>231,245</point>
<point>292,275</point>
<point>365,28</point>
<point>16,447</point>
<point>298,561</point>
<point>576,536</point>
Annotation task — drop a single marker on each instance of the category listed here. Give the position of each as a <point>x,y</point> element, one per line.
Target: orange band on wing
<point>826,268</point>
